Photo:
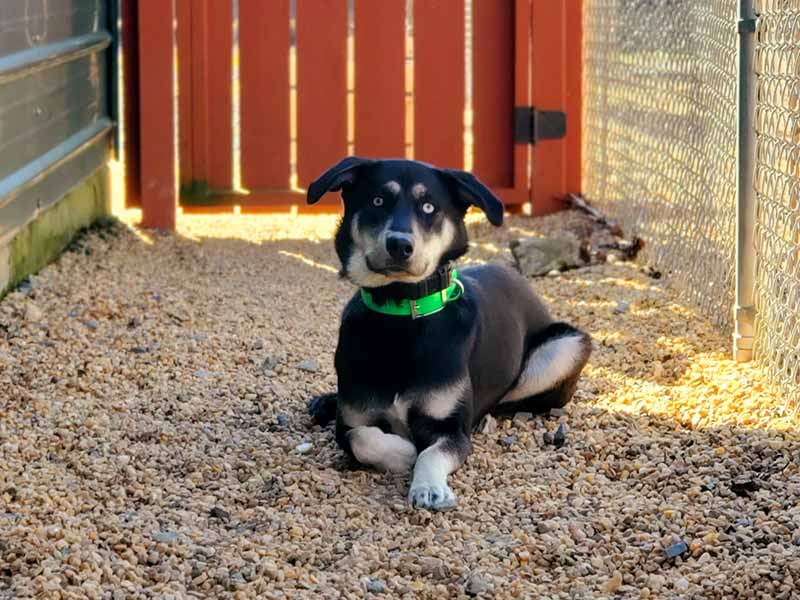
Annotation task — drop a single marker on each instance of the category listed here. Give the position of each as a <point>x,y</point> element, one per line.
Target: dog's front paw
<point>432,497</point>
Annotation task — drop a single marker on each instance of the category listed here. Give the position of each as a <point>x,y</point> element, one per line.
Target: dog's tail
<point>323,408</point>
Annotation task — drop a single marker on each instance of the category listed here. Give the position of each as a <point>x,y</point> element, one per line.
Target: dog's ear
<point>471,191</point>
<point>341,174</point>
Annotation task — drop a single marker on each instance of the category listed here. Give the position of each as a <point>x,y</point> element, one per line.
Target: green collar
<point>421,307</point>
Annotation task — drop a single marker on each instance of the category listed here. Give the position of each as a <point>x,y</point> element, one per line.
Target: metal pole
<point>744,307</point>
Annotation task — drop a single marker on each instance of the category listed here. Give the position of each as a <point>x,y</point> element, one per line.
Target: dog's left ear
<point>471,191</point>
<point>339,175</point>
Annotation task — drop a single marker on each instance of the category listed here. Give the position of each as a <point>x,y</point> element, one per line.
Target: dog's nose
<point>399,246</point>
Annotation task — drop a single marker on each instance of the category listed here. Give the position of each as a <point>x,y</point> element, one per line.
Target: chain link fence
<point>777,184</point>
<point>660,102</point>
<point>660,135</point>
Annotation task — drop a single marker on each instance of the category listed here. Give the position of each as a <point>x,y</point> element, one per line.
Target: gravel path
<point>154,442</point>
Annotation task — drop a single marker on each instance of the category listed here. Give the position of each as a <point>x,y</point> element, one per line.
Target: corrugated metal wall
<point>54,105</point>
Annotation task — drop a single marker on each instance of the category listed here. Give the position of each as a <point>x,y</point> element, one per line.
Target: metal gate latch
<point>532,125</point>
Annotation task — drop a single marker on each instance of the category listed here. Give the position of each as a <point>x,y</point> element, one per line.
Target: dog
<point>425,350</point>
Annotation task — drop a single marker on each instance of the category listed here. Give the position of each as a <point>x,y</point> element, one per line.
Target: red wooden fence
<point>510,39</point>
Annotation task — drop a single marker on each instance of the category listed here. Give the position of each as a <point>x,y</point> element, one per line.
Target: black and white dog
<point>425,351</point>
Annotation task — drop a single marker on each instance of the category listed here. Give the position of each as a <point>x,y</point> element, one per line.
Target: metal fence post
<point>744,307</point>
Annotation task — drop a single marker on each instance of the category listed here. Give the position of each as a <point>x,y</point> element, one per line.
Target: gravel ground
<point>154,441</point>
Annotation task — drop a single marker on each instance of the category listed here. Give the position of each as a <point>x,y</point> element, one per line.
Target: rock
<point>612,585</point>
<point>258,344</point>
<point>557,412</point>
<point>676,550</point>
<point>92,324</point>
<point>560,436</point>
<point>376,586</point>
<point>434,567</point>
<point>307,365</point>
<point>165,537</point>
<point>548,437</point>
<point>283,419</point>
<point>201,374</point>
<point>140,350</point>
<point>536,257</point>
<point>219,513</point>
<point>33,313</point>
<point>744,485</point>
<point>509,441</point>
<point>488,425</point>
<point>522,417</point>
<point>268,365</point>
<point>682,584</point>
<point>622,307</point>
<point>476,585</point>
<point>304,448</point>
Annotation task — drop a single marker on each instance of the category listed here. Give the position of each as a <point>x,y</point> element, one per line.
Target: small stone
<point>33,313</point>
<point>557,412</point>
<point>744,486</point>
<point>509,441</point>
<point>548,437</point>
<point>140,350</point>
<point>682,584</point>
<point>775,548</point>
<point>282,419</point>
<point>476,585</point>
<point>376,586</point>
<point>307,365</point>
<point>201,374</point>
<point>554,273</point>
<point>709,486</point>
<point>75,312</point>
<point>219,513</point>
<point>165,537</point>
<point>304,448</point>
<point>676,550</point>
<point>92,324</point>
<point>522,417</point>
<point>269,363</point>
<point>258,344</point>
<point>622,307</point>
<point>560,436</point>
<point>612,585</point>
<point>488,425</point>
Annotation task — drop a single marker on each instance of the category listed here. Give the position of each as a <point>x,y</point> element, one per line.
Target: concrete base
<point>42,240</point>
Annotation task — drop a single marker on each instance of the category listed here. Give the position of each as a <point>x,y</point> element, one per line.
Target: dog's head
<point>402,218</point>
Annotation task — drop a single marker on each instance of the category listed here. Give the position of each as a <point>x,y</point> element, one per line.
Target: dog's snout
<point>399,246</point>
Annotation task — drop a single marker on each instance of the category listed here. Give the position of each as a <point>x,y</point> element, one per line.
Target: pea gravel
<point>154,441</point>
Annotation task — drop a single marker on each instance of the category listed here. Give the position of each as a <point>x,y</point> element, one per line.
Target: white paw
<point>384,451</point>
<point>402,460</point>
<point>432,497</point>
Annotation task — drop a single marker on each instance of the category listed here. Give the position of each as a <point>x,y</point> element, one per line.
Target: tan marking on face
<point>392,186</point>
<point>418,191</point>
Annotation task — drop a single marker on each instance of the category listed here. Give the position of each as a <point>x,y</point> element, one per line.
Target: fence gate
<point>272,93</point>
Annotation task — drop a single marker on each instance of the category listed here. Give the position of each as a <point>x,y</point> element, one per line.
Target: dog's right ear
<point>341,174</point>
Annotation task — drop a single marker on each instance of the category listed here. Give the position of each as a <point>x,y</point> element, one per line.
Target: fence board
<point>185,120</point>
<point>439,82</point>
<point>156,75</point>
<point>321,86</point>
<point>493,91</point>
<point>220,94</point>
<point>380,83</point>
<point>264,68</point>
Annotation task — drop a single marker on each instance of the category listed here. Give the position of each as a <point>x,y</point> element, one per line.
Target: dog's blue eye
<point>428,208</point>
<point>377,201</point>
